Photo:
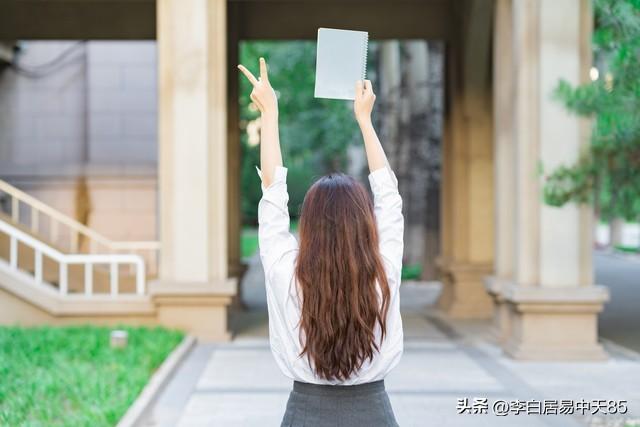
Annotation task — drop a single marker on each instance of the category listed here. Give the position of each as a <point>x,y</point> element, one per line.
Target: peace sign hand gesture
<point>262,94</point>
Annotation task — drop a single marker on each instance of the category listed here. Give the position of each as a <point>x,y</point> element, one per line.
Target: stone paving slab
<point>446,372</point>
<point>421,411</point>
<point>243,367</point>
<point>234,409</point>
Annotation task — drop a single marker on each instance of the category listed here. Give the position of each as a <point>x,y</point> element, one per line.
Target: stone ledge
<point>554,324</point>
<point>200,308</point>
<point>495,286</point>
<point>20,285</point>
<point>463,295</point>
<point>501,323</point>
<point>584,295</point>
<point>156,383</point>
<point>227,287</point>
<point>464,270</point>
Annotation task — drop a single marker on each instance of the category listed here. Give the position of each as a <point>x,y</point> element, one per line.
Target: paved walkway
<point>239,384</point>
<point>621,316</point>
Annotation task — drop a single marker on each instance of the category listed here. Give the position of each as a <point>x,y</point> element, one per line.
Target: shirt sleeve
<point>274,238</point>
<point>390,221</point>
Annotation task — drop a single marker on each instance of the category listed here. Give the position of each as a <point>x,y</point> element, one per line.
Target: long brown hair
<point>337,267</point>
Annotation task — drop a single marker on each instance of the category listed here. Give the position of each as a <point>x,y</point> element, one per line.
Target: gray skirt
<point>315,405</point>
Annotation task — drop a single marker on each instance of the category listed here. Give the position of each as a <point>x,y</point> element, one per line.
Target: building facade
<point>504,253</point>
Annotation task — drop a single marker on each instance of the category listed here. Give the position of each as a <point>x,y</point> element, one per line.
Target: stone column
<point>503,164</point>
<point>467,205</point>
<point>552,301</point>
<point>194,288</point>
<point>234,213</point>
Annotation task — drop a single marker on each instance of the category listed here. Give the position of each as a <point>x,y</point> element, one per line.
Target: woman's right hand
<point>262,94</point>
<point>365,98</point>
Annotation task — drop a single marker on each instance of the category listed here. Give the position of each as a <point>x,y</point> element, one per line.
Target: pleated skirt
<point>320,405</point>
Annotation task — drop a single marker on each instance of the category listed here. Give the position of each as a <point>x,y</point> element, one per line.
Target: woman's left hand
<point>262,94</point>
<point>364,100</point>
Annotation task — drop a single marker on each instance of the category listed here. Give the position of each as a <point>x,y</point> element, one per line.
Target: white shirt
<point>278,251</point>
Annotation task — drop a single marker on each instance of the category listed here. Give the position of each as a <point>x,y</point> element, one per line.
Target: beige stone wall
<point>201,314</point>
<point>124,209</point>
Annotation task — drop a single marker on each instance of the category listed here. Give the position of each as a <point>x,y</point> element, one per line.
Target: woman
<point>334,315</point>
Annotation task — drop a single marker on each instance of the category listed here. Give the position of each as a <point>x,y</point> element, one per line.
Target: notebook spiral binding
<point>364,54</point>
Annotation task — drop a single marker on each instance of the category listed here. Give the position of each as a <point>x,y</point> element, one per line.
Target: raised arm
<point>265,99</point>
<point>384,185</point>
<point>276,243</point>
<point>363,105</point>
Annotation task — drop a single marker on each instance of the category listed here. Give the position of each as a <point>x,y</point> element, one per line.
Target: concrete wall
<point>41,119</point>
<point>101,98</point>
<point>122,103</point>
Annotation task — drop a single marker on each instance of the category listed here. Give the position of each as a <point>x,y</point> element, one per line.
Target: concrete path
<point>239,384</point>
<point>620,320</point>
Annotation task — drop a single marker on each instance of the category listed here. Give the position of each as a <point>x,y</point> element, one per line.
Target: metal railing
<point>41,249</point>
<point>40,213</point>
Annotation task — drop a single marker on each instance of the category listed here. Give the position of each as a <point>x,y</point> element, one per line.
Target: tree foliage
<point>314,133</point>
<point>608,173</point>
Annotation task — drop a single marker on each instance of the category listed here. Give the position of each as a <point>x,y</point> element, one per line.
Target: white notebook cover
<point>341,60</point>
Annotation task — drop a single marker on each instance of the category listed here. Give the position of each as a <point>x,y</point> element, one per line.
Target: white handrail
<point>96,241</point>
<point>64,260</point>
<point>37,206</point>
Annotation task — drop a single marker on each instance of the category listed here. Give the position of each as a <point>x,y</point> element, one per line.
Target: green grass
<point>411,272</point>
<point>249,240</point>
<point>629,249</point>
<point>70,376</point>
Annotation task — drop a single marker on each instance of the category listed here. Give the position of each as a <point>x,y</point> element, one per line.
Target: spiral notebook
<point>341,60</point>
